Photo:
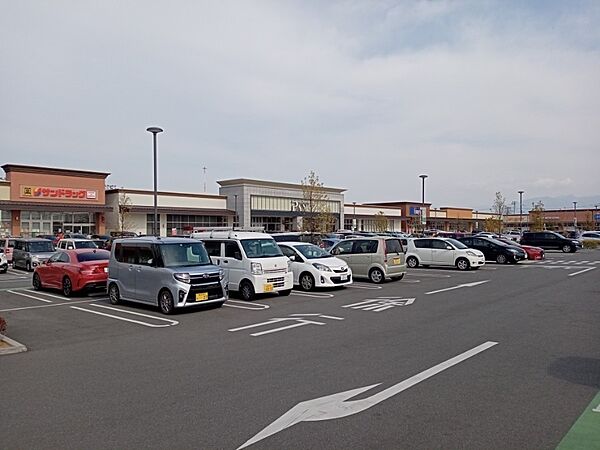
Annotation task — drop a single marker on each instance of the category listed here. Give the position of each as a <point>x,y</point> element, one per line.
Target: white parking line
<point>49,306</point>
<point>581,271</point>
<point>139,322</point>
<point>30,296</point>
<point>360,286</point>
<point>314,295</point>
<point>430,275</point>
<point>46,294</point>
<point>246,305</point>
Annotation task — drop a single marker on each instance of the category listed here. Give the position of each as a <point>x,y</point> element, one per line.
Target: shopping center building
<point>43,200</point>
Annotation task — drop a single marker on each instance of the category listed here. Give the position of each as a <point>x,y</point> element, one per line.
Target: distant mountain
<point>562,202</point>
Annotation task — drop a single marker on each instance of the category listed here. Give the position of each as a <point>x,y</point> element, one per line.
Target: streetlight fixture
<point>155,228</point>
<point>574,216</point>
<point>422,177</point>
<point>354,216</point>
<point>521,212</point>
<point>235,222</point>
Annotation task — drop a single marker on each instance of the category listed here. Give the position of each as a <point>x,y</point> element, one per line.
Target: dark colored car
<point>495,250</point>
<point>73,270</point>
<point>533,253</point>
<point>550,240</point>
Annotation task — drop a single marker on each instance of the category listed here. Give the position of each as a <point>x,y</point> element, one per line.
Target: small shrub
<point>2,326</point>
<point>590,244</point>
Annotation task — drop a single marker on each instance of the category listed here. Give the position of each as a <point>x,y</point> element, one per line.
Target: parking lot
<point>505,356</point>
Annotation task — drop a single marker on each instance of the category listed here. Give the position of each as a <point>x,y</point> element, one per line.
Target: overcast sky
<point>482,96</point>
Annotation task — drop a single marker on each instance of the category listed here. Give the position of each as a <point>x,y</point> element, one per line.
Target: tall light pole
<point>354,216</point>
<point>595,217</point>
<point>521,211</point>
<point>574,216</point>
<point>422,177</point>
<point>235,222</point>
<point>155,228</point>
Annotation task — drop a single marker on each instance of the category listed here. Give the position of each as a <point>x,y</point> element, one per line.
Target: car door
<point>48,272</point>
<point>483,246</point>
<point>233,264</point>
<point>362,255</point>
<point>552,241</point>
<point>145,275</point>
<point>442,253</point>
<point>127,274</point>
<point>423,250</point>
<point>343,250</point>
<point>297,262</point>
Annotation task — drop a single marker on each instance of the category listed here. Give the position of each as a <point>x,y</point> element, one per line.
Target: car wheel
<point>376,276</point>
<point>566,249</point>
<point>37,282</point>
<point>165,302</point>
<point>501,259</point>
<point>463,264</point>
<point>285,293</point>
<point>113,294</point>
<point>67,287</point>
<point>412,262</point>
<point>247,291</point>
<point>28,266</point>
<point>307,282</point>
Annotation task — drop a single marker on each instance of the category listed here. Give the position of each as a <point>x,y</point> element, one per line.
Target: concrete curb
<point>15,347</point>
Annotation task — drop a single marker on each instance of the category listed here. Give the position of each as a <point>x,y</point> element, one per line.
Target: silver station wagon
<point>166,272</point>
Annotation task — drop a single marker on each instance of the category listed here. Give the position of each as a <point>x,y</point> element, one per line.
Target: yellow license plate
<point>396,260</point>
<point>201,296</point>
<point>268,288</point>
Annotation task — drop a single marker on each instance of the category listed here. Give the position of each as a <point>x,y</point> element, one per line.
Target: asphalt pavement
<point>503,357</point>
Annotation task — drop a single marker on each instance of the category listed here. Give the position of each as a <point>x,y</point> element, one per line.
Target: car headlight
<point>470,253</point>
<point>221,274</point>
<point>256,268</point>
<point>289,265</point>
<point>35,258</point>
<point>321,267</point>
<point>183,277</point>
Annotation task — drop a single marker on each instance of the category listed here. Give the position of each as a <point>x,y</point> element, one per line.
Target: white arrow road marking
<point>476,283</point>
<point>380,303</point>
<point>581,271</point>
<point>597,409</point>
<point>337,405</point>
<point>297,318</point>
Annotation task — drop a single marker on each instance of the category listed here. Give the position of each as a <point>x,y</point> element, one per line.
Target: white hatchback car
<point>314,267</point>
<point>442,252</point>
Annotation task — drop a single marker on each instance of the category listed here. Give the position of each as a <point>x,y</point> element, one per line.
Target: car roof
<point>296,243</point>
<point>75,239</point>
<point>153,240</point>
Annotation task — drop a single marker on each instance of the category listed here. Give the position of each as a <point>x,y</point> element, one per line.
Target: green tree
<point>499,207</point>
<point>125,222</point>
<point>317,216</point>
<point>381,222</point>
<point>537,217</point>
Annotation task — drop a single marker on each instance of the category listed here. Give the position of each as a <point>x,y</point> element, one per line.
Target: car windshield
<point>41,247</point>
<point>261,248</point>
<point>459,245</point>
<point>502,244</point>
<point>310,251</point>
<point>184,254</point>
<point>98,255</point>
<point>85,244</point>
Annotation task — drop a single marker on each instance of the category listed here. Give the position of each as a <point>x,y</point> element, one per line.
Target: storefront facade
<point>178,212</point>
<point>45,201</point>
<point>276,206</point>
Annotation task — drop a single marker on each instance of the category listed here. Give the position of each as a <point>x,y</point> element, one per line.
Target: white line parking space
<point>364,286</point>
<point>23,308</point>
<point>581,271</point>
<point>245,305</point>
<point>465,285</point>
<point>313,294</point>
<point>30,296</point>
<point>169,322</point>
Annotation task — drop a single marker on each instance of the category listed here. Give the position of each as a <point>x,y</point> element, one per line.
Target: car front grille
<point>272,271</point>
<point>277,282</point>
<point>214,291</point>
<point>202,279</point>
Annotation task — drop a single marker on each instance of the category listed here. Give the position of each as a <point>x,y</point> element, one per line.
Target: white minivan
<point>253,262</point>
<point>442,252</point>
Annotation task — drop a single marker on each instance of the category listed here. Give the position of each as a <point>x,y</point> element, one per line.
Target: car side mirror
<point>449,247</point>
<point>151,262</point>
<point>292,258</point>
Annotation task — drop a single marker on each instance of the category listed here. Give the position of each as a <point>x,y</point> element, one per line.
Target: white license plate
<point>343,277</point>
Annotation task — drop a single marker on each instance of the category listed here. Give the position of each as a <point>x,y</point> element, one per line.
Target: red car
<point>533,253</point>
<point>73,270</point>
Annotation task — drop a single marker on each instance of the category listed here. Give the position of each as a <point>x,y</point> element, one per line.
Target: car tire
<point>501,259</point>
<point>463,264</point>
<point>165,302</point>
<point>285,292</point>
<point>376,276</point>
<point>67,287</point>
<point>412,262</point>
<point>247,291</point>
<point>307,282</point>
<point>114,296</point>
<point>37,282</point>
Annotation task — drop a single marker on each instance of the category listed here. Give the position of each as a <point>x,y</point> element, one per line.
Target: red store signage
<point>46,192</point>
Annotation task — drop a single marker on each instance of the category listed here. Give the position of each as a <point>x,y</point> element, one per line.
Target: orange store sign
<point>57,193</point>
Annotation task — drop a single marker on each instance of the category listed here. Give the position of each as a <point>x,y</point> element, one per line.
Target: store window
<point>5,223</point>
<point>34,223</point>
<point>184,224</point>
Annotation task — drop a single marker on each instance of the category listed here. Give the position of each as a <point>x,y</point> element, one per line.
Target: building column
<point>15,223</point>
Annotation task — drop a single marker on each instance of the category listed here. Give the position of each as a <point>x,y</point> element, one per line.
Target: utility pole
<point>204,169</point>
<point>521,211</point>
<point>575,216</point>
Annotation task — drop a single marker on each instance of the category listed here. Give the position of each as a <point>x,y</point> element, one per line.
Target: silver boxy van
<point>167,272</point>
<point>376,258</point>
<point>30,253</point>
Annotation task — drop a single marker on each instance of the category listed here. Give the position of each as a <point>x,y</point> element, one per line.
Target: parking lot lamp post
<point>354,216</point>
<point>155,228</point>
<point>422,177</point>
<point>521,211</point>
<point>235,220</point>
<point>574,216</point>
<point>595,217</point>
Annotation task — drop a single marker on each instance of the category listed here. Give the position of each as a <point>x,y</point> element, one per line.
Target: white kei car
<point>442,252</point>
<point>314,267</point>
